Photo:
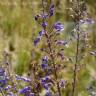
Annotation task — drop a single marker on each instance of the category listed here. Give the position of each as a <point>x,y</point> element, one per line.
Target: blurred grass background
<point>18,30</point>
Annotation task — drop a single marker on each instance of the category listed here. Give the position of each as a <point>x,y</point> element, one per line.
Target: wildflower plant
<point>80,17</point>
<point>46,78</point>
<point>51,81</point>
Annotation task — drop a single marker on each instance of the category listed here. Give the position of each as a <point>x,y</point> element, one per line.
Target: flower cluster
<point>48,61</point>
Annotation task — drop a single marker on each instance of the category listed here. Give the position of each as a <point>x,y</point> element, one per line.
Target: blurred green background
<point>18,30</point>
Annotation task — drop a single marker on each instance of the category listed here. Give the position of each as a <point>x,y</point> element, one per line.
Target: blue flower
<point>58,26</point>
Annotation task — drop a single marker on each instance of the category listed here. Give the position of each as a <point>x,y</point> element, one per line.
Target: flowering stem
<point>77,49</point>
<point>53,62</point>
<point>76,62</point>
<point>51,53</point>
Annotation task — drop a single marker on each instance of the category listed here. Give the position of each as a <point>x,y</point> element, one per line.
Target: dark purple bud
<point>44,24</point>
<point>51,10</point>
<point>52,6</point>
<point>36,17</point>
<point>44,66</point>
<point>36,41</point>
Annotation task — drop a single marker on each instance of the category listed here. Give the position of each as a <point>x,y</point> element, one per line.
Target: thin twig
<point>75,69</point>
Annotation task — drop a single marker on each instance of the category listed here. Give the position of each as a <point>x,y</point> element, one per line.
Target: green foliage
<point>17,23</point>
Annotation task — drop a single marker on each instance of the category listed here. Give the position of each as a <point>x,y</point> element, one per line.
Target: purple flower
<point>90,21</point>
<point>24,90</point>
<point>44,16</point>
<point>3,82</point>
<point>58,26</point>
<point>61,42</point>
<point>44,24</point>
<point>37,40</point>
<point>41,33</point>
<point>2,71</point>
<point>23,78</point>
<point>18,77</point>
<point>93,53</point>
<point>46,78</point>
<point>46,86</point>
<point>48,93</point>
<point>87,20</point>
<point>62,83</point>
<point>8,87</point>
<point>44,66</point>
<point>44,82</point>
